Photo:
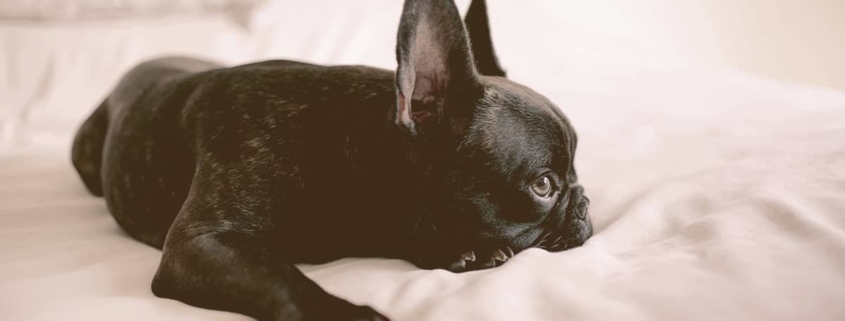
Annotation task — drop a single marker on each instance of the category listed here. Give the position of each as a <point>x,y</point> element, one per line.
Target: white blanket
<point>715,195</point>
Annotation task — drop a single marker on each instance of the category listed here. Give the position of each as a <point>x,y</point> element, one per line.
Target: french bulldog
<point>239,173</point>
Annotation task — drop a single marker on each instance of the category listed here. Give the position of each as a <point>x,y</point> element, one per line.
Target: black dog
<point>240,173</point>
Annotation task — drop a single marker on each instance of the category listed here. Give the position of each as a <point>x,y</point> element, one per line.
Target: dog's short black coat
<point>239,173</point>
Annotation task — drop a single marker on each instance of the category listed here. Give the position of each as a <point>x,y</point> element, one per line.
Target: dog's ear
<point>435,61</point>
<point>479,35</point>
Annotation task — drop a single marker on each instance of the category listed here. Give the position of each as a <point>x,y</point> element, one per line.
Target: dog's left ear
<point>435,63</point>
<point>478,27</point>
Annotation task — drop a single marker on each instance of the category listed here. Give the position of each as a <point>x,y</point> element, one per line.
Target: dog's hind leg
<point>87,151</point>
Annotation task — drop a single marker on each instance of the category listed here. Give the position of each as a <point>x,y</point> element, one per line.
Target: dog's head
<point>499,175</point>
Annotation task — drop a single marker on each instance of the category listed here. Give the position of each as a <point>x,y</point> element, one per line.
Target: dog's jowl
<point>238,173</point>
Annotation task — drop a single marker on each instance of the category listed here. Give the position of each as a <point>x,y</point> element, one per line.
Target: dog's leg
<point>221,256</point>
<point>229,271</point>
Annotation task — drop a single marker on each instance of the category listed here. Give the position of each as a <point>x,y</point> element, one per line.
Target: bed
<point>716,195</point>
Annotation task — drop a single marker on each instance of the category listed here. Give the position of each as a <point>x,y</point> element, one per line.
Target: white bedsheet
<point>715,195</point>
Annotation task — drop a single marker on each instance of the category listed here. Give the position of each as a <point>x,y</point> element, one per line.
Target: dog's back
<point>167,110</point>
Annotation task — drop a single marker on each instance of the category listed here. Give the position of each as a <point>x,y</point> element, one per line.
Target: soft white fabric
<point>98,9</point>
<point>715,195</point>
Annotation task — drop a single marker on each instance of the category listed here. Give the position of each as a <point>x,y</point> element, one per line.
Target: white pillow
<point>87,9</point>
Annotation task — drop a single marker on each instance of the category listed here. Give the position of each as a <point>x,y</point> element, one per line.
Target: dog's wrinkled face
<point>508,185</point>
<point>501,177</point>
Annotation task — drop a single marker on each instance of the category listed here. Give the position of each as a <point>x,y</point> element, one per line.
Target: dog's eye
<point>542,187</point>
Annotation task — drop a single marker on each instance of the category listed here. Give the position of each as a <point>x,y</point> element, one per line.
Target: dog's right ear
<point>478,26</point>
<point>435,62</point>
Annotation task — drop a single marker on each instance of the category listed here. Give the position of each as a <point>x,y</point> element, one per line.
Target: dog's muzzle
<point>578,202</point>
<point>571,230</point>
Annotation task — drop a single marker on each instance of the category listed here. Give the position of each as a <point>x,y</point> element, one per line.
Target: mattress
<point>716,195</point>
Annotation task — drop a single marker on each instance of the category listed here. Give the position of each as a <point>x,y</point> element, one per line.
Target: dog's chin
<point>480,260</point>
<point>463,261</point>
<point>574,231</point>
<point>572,234</point>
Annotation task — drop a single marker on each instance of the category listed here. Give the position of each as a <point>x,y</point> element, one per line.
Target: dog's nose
<point>581,207</point>
<point>578,202</point>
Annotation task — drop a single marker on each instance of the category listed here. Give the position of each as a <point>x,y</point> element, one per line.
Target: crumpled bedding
<point>716,195</point>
